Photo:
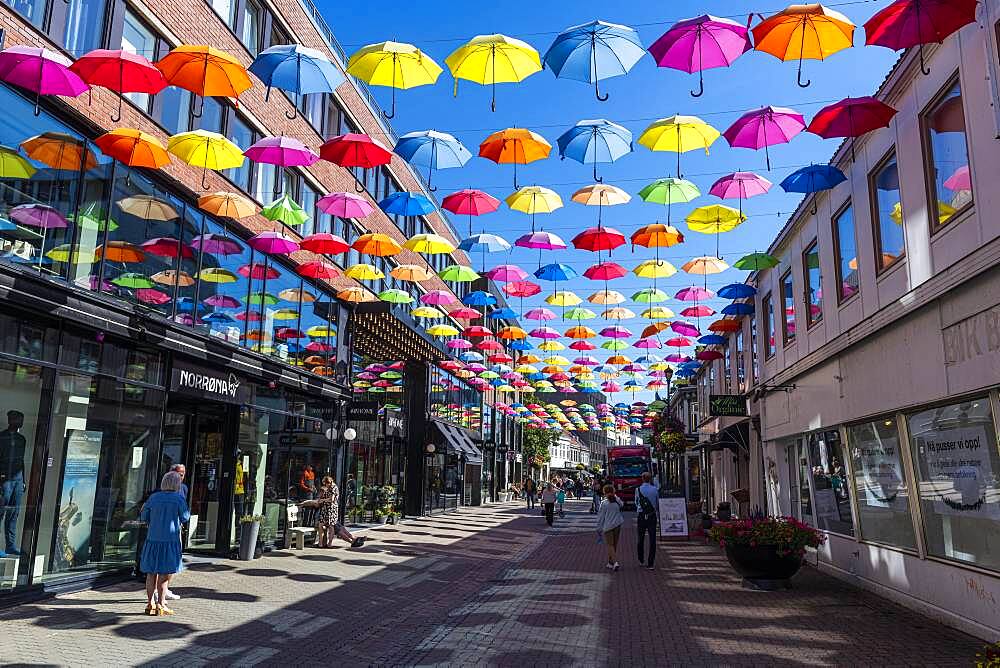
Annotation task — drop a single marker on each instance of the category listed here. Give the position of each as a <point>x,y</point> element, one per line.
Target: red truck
<point>625,468</point>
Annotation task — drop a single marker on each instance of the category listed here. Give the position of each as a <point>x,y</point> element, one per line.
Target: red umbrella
<point>709,355</point>
<point>470,202</point>
<point>317,269</point>
<point>582,345</point>
<point>258,271</point>
<point>605,271</point>
<point>121,72</point>
<point>324,243</point>
<point>851,117</point>
<point>355,150</point>
<point>465,313</point>
<point>908,23</point>
<point>725,325</point>
<point>476,332</point>
<point>167,247</point>
<point>599,239</point>
<point>521,289</point>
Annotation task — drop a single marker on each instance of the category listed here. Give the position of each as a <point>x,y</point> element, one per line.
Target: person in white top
<point>609,525</point>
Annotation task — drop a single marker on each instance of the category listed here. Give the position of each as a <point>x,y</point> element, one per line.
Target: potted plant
<point>249,530</point>
<point>668,435</point>
<point>766,548</point>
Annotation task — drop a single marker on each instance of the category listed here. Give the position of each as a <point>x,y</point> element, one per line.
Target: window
<point>767,309</point>
<point>251,33</point>
<point>138,39</point>
<point>311,106</point>
<point>787,308</point>
<point>741,385</point>
<point>814,284</point>
<point>753,349</point>
<point>832,501</point>
<point>332,118</point>
<point>308,201</point>
<point>949,178</point>
<point>212,114</point>
<point>846,248</point>
<point>242,135</point>
<point>226,9</point>
<point>880,483</point>
<point>956,461</point>
<point>84,28</point>
<point>266,188</point>
<point>32,10</point>
<point>887,212</point>
<point>174,109</point>
<point>727,361</point>
<point>278,35</point>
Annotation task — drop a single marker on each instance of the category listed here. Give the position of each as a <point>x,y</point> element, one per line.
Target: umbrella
<point>221,301</point>
<point>594,51</point>
<point>354,295</point>
<point>506,272</point>
<point>429,244</point>
<point>594,141</point>
<point>345,205</point>
<point>281,151</point>
<point>324,243</point>
<point>227,205</point>
<point>55,149</point>
<point>133,281</point>
<point>204,71</point>
<point>601,195</point>
<point>285,210</point>
<point>715,219</point>
<point>532,200</point>
<point>119,251</point>
<point>521,289</point>
<point>437,298</point>
<point>412,273</point>
<point>120,71</point>
<point>756,262</point>
<point>38,215</point>
<point>669,190</point>
<point>41,71</point>
<point>726,325</point>
<point>740,185</point>
<point>147,207</point>
<point>708,355</point>
<point>606,297</point>
<point>514,146</point>
<point>379,245</point>
<point>503,313</point>
<point>208,150</point>
<point>442,330</point>
<point>605,271</point>
<point>540,314</point>
<point>133,148</point>
<point>13,165</point>
<point>657,313</point>
<point>684,329</point>
<point>599,238</point>
<point>804,31</point>
<point>273,243</point>
<point>464,313</point>
<point>395,296</point>
<point>296,69</point>
<point>433,150</point>
<point>617,313</point>
<point>427,312</point>
<point>173,277</point>
<point>851,117</point>
<point>393,64</point>
<point>317,269</point>
<point>479,298</point>
<point>654,269</point>
<point>556,272</point>
<point>649,296</point>
<point>363,272</point>
<point>679,134</point>
<point>484,242</point>
<point>258,271</point>
<point>813,179</point>
<point>167,247</point>
<point>693,294</point>
<point>737,291</point>
<point>470,202</point>
<point>563,298</point>
<point>407,204</point>
<point>355,150</point>
<point>700,43</point>
<point>493,59</point>
<point>697,311</point>
<point>457,273</point>
<point>657,235</point>
<point>908,23</point>
<point>765,127</point>
<point>738,309</point>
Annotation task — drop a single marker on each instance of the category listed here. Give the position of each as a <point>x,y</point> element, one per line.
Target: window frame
<point>767,310</point>
<point>838,252</point>
<point>812,247</point>
<point>876,219</point>
<point>927,155</point>
<point>786,340</point>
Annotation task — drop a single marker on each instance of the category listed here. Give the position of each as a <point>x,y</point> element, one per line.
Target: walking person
<point>609,525</point>
<point>645,503</point>
<point>595,491</point>
<point>164,513</point>
<point>561,501</point>
<point>549,502</point>
<point>327,526</point>
<point>529,492</point>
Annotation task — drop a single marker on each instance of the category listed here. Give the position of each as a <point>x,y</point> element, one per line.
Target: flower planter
<point>248,540</point>
<point>762,562</point>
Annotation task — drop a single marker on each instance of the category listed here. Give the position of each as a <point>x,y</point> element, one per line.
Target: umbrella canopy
<point>556,272</point>
<point>737,291</point>
<point>654,269</point>
<point>227,205</point>
<point>521,289</point>
<point>429,244</point>
<point>534,199</point>
<point>851,117</point>
<point>738,309</point>
<point>438,298</point>
<point>354,295</point>
<point>281,151</point>
<point>605,271</point>
<point>433,150</point>
<point>295,69</point>
<point>669,191</point>
<point>705,264</point>
<point>457,273</point>
<point>427,312</point>
<point>595,141</point>
<point>679,134</point>
<point>324,243</point>
<point>606,297</point>
<point>355,150</point>
<point>41,71</point>
<point>516,146</point>
<point>442,330</point>
<point>13,165</point>
<point>470,202</point>
<point>657,313</point>
<point>167,247</point>
<point>714,218</point>
<point>394,64</point>
<point>700,43</point>
<point>258,271</point>
<point>657,236</point>
<point>694,294</point>
<point>649,296</point>
<point>479,298</point>
<point>506,272</point>
<point>764,127</point>
<point>41,216</point>
<point>617,313</point>
<point>740,185</point>
<point>208,150</point>
<point>317,269</point>
<point>379,245</point>
<point>407,204</point>
<point>345,205</point>
<point>908,23</point>
<point>412,273</point>
<point>134,148</point>
<point>55,149</point>
<point>285,210</point>
<point>540,241</point>
<point>594,51</point>
<point>539,314</point>
<point>493,59</point>
<point>273,243</point>
<point>599,238</point>
<point>395,296</point>
<point>813,179</point>
<point>563,298</point>
<point>363,272</point>
<point>487,243</point>
<point>756,262</point>
<point>204,71</point>
<point>801,32</point>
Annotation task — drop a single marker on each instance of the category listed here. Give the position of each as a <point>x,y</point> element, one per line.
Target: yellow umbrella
<point>804,32</point>
<point>285,314</point>
<point>363,272</point>
<point>679,134</point>
<point>657,313</point>
<point>13,165</point>
<point>320,331</point>
<point>558,360</point>
<point>606,297</point>
<point>217,275</point>
<point>412,273</point>
<point>426,312</point>
<point>227,205</point>
<point>355,295</point>
<point>563,298</point>
<point>442,330</point>
<point>67,253</point>
<point>714,219</point>
<point>655,269</point>
<point>493,59</point>
<point>526,368</point>
<point>534,199</point>
<point>393,64</point>
<point>945,211</point>
<point>429,244</point>
<point>705,264</point>
<point>618,313</point>
<point>551,346</point>
<point>208,150</point>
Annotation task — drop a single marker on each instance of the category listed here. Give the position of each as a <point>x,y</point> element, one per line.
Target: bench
<point>295,536</point>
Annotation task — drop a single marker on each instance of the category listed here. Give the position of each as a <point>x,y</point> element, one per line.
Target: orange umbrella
<point>726,325</point>
<point>59,151</point>
<point>657,235</point>
<point>119,251</point>
<point>134,148</point>
<point>514,146</point>
<point>411,272</point>
<point>619,359</point>
<point>227,205</point>
<point>204,71</point>
<point>374,243</point>
<point>654,329</point>
<point>804,31</point>
<point>173,277</point>
<point>354,295</point>
<point>314,359</point>
<point>580,332</point>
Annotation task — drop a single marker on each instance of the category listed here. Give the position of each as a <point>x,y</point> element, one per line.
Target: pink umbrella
<point>38,215</point>
<point>605,271</point>
<point>701,43</point>
<point>740,185</point>
<point>611,386</point>
<point>540,314</point>
<point>765,127</point>
<point>465,313</point>
<point>282,151</point>
<point>699,311</point>
<point>678,342</point>
<point>648,343</point>
<point>582,345</point>
<point>615,332</point>
<point>544,333</point>
<point>250,316</point>
<point>521,289</point>
<point>586,360</point>
<point>41,71</point>
<point>437,298</point>
<point>506,272</point>
<point>258,271</point>
<point>961,179</point>
<point>221,301</point>
<point>215,244</point>
<point>273,243</point>
<point>489,344</point>
<point>151,296</point>
<point>540,241</point>
<point>677,358</point>
<point>634,368</point>
<point>187,320</point>
<point>694,294</point>
<point>708,355</point>
<point>345,205</point>
<point>685,328</point>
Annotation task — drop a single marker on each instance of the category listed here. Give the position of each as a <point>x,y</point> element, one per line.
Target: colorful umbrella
<point>324,243</point>
<point>908,23</point>
<point>437,298</point>
<point>317,269</point>
<point>394,64</point>
<point>486,243</point>
<point>41,216</point>
<point>596,239</point>
<point>756,262</point>
<point>799,32</point>
<point>471,203</point>
<point>227,205</point>
<point>282,151</point>
<point>119,251</point>
<point>600,195</point>
<point>407,204</point>
<point>273,243</point>
<point>493,59</point>
<point>556,272</point>
<point>354,295</point>
<point>521,289</point>
<point>765,127</point>
<point>345,205</point>
<point>379,245</point>
<point>433,150</point>
<point>457,273</point>
<point>693,294</point>
<point>412,273</point>
<point>649,296</point>
<point>58,150</point>
<point>594,51</point>
<point>655,269</point>
<point>133,148</point>
<point>605,271</point>
<point>429,244</point>
<point>355,150</point>
<point>563,298</point>
<point>813,179</point>
<point>285,210</point>
<point>851,117</point>
<point>740,185</point>
<point>594,141</point>
<point>657,235</point>
<point>41,71</point>
<point>699,44</point>
<point>679,134</point>
<point>506,272</point>
<point>208,150</point>
<point>296,69</point>
<point>363,272</point>
<point>514,146</point>
<point>738,309</point>
<point>13,165</point>
<point>606,297</point>
<point>737,291</point>
<point>715,219</point>
<point>120,71</point>
<point>395,296</point>
<point>205,71</point>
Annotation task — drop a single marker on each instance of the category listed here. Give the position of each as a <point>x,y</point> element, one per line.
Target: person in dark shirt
<point>12,447</point>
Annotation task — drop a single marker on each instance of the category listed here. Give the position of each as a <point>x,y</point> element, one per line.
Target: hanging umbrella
<point>354,295</point>
<point>738,309</point>
<point>295,69</point>
<point>617,313</point>
<point>167,247</point>
<point>657,313</point>
<point>281,151</point>
<point>407,204</point>
<point>698,311</point>
<point>851,117</point>
<point>657,235</point>
<point>503,313</point>
<point>471,203</point>
<point>379,245</point>
<point>534,199</point>
<point>324,243</point>
<point>437,298</point>
<point>442,330</point>
<point>317,269</point>
<point>355,150</point>
<point>119,251</point>
<point>714,219</point>
<point>41,216</point>
<point>741,186</point>
<point>13,165</point>
<point>429,244</point>
<point>345,205</point>
<point>273,243</point>
<point>427,312</point>
<point>539,314</point>
<point>594,51</point>
<point>606,297</point>
<point>147,207</point>
<point>649,296</point>
<point>684,329</point>
<point>737,291</point>
<point>205,71</point>
<point>668,191</point>
<point>506,272</point>
<point>58,150</point>
<point>756,262</point>
<point>285,210</point>
<point>596,239</point>
<point>173,277</point>
<point>595,141</point>
<point>694,294</point>
<point>556,272</point>
<point>222,301</point>
<point>804,32</point>
<point>521,289</point>
<point>813,179</point>
<point>486,243</point>
<point>395,296</point>
<point>433,150</point>
<point>394,64</point>
<point>119,71</point>
<point>363,272</point>
<point>208,150</point>
<point>458,274</point>
<point>679,134</point>
<point>132,281</point>
<point>699,44</point>
<point>605,271</point>
<point>514,146</point>
<point>227,205</point>
<point>765,127</point>
<point>908,23</point>
<point>133,148</point>
<point>600,195</point>
<point>563,298</point>
<point>725,326</point>
<point>464,313</point>
<point>258,271</point>
<point>655,269</point>
<point>411,273</point>
<point>479,298</point>
<point>492,59</point>
<point>41,71</point>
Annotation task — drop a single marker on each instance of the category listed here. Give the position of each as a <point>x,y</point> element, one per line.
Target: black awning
<point>451,440</point>
<point>473,455</point>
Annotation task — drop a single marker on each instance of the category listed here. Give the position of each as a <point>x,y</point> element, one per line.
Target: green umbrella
<point>669,191</point>
<point>579,313</point>
<point>390,375</point>
<point>132,280</point>
<point>755,262</point>
<point>614,345</point>
<point>394,296</point>
<point>262,299</point>
<point>458,274</point>
<point>285,210</point>
<point>649,296</point>
<point>489,375</point>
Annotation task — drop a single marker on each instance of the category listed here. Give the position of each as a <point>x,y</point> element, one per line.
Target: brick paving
<point>484,586</point>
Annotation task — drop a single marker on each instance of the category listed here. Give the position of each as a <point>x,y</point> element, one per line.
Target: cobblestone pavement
<point>488,586</point>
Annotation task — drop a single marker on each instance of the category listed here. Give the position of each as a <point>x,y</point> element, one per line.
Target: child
<point>560,500</point>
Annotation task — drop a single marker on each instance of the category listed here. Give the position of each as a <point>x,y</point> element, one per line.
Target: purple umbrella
<point>765,127</point>
<point>693,294</point>
<point>41,71</point>
<point>91,283</point>
<point>740,185</point>
<point>615,332</point>
<point>345,205</point>
<point>634,368</point>
<point>215,244</point>
<point>699,44</point>
<point>540,314</point>
<point>38,215</point>
<point>510,272</point>
<point>222,301</point>
<point>544,333</point>
<point>282,151</point>
<point>459,344</point>
<point>685,328</point>
<point>676,358</point>
<point>273,243</point>
<point>541,241</point>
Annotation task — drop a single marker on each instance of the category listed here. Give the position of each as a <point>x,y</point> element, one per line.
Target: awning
<point>473,455</point>
<point>459,442</point>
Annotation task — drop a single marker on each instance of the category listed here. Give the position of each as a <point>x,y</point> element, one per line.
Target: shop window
<point>887,212</point>
<point>251,33</point>
<point>814,284</point>
<point>946,149</point>
<point>787,308</point>
<point>139,39</point>
<point>956,458</point>
<point>28,340</point>
<point>830,484</point>
<point>846,248</point>
<point>880,483</point>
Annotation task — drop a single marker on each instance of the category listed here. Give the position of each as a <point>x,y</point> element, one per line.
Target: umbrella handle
<point>599,179</point>
<point>117,117</point>
<point>701,85</point>
<point>802,47</point>
<point>923,68</point>
<point>38,104</point>
<point>201,109</point>
<point>815,206</point>
<point>295,107</point>
<point>204,175</point>
<point>358,187</point>
<point>597,91</point>
<point>392,111</point>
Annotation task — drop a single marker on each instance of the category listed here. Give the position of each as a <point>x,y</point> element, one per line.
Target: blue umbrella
<point>479,298</point>
<point>813,179</point>
<point>218,316</point>
<point>594,51</point>
<point>684,373</point>
<point>471,356</point>
<point>711,340</point>
<point>737,291</point>
<point>520,345</point>
<point>296,69</point>
<point>556,272</point>
<point>407,204</point>
<point>594,141</point>
<point>738,308</point>
<point>433,150</point>
<point>504,313</point>
<point>487,243</point>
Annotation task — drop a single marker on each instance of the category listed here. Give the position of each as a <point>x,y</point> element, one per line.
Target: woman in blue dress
<point>164,513</point>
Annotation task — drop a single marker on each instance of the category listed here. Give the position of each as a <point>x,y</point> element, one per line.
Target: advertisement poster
<point>958,472</point>
<point>673,517</point>
<point>76,503</point>
<point>879,474</point>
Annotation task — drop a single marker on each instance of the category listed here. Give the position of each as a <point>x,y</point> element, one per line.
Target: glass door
<point>206,475</point>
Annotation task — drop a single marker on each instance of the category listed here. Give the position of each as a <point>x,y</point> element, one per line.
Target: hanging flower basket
<point>668,434</point>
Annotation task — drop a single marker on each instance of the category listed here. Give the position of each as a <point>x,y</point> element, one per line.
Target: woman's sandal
<point>151,610</point>
<point>164,610</point>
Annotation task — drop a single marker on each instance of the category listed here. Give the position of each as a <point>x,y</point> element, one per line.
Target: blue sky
<point>549,106</point>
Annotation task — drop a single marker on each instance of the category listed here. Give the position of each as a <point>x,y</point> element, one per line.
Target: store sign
<point>362,411</point>
<point>395,424</point>
<point>959,470</point>
<point>673,517</point>
<point>727,405</point>
<point>208,384</point>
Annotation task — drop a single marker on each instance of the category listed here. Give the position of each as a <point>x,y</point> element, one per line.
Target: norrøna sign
<point>220,386</point>
<point>727,405</point>
<point>362,411</point>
